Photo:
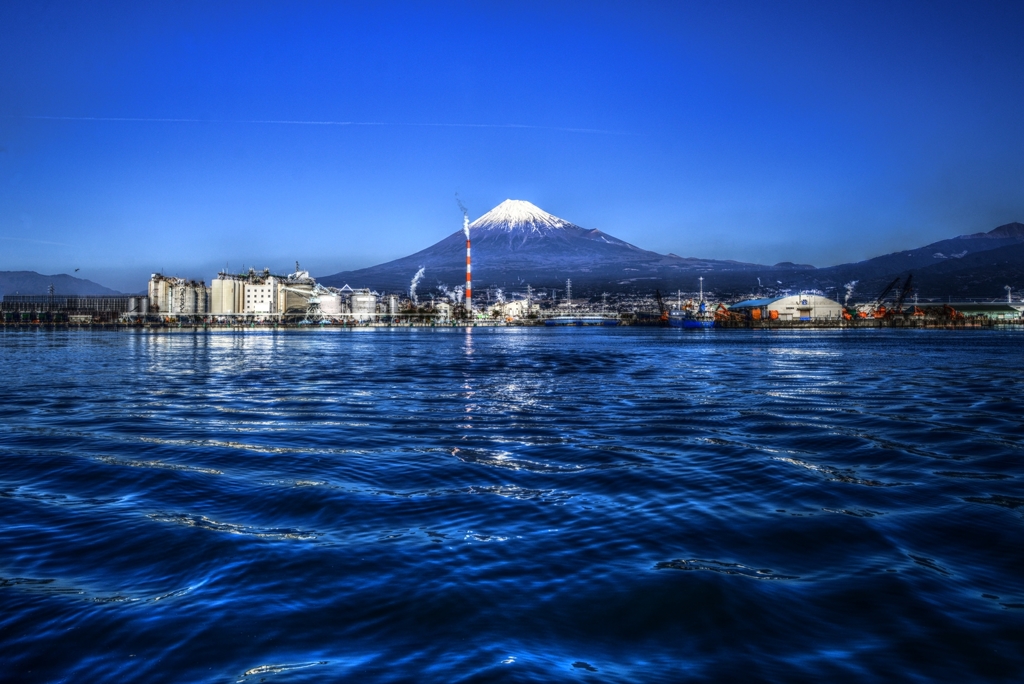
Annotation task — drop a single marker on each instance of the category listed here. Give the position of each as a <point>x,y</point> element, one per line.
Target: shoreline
<point>872,324</point>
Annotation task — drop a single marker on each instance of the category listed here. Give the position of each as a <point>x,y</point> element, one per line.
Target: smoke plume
<point>412,285</point>
<point>465,216</point>
<point>849,290</point>
<point>454,295</point>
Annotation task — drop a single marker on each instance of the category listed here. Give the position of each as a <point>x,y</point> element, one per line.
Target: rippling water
<point>512,505</point>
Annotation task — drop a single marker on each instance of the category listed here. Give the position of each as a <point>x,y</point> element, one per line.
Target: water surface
<point>512,505</point>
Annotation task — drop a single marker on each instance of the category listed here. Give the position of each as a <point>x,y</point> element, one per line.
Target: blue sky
<point>139,137</point>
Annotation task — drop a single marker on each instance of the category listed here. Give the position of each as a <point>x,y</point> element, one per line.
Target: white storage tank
<point>330,303</point>
<point>363,304</point>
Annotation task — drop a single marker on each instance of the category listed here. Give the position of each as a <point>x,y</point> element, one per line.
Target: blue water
<point>632,505</point>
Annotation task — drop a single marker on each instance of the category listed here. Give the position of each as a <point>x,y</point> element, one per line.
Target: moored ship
<point>695,315</point>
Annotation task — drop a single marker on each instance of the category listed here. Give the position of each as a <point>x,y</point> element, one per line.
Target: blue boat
<point>688,318</point>
<point>701,318</point>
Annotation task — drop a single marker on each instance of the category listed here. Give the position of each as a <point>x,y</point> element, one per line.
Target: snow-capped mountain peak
<point>513,216</point>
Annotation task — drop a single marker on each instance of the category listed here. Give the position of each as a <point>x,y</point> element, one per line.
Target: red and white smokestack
<point>469,267</point>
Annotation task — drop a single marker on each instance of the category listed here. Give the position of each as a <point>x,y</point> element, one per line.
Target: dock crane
<point>904,291</point>
<point>877,308</point>
<point>661,307</point>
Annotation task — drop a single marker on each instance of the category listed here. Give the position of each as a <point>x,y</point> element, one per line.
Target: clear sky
<point>146,136</point>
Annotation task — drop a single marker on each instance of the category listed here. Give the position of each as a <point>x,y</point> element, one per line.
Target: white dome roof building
<point>800,307</point>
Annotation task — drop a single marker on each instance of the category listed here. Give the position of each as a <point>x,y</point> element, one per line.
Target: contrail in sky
<point>291,122</point>
<point>38,242</point>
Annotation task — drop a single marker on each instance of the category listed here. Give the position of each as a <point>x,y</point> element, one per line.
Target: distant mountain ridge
<point>1013,230</point>
<point>975,265</point>
<point>32,283</point>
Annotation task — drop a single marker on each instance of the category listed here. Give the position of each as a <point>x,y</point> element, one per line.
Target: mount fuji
<point>517,243</point>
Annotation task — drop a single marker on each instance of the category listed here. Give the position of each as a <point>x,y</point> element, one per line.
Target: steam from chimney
<point>469,267</point>
<point>849,290</point>
<point>465,216</point>
<point>454,295</point>
<point>412,285</point>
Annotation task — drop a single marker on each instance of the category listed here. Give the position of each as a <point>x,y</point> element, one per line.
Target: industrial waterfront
<point>263,300</point>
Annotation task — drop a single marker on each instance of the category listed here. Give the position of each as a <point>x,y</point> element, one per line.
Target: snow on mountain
<point>518,225</point>
<point>520,216</point>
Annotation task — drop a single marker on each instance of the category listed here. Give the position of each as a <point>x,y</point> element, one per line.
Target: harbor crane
<point>904,291</point>
<point>662,309</point>
<point>877,307</point>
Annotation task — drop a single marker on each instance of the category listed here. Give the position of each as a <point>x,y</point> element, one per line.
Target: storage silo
<point>330,303</point>
<point>363,304</point>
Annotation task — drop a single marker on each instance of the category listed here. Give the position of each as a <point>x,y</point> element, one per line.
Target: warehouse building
<point>801,307</point>
<point>998,311</point>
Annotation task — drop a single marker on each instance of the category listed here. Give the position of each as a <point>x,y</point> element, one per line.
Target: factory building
<point>261,295</point>
<point>993,310</point>
<point>253,293</point>
<point>520,308</point>
<point>801,307</point>
<point>102,304</point>
<point>261,298</point>
<point>170,296</point>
